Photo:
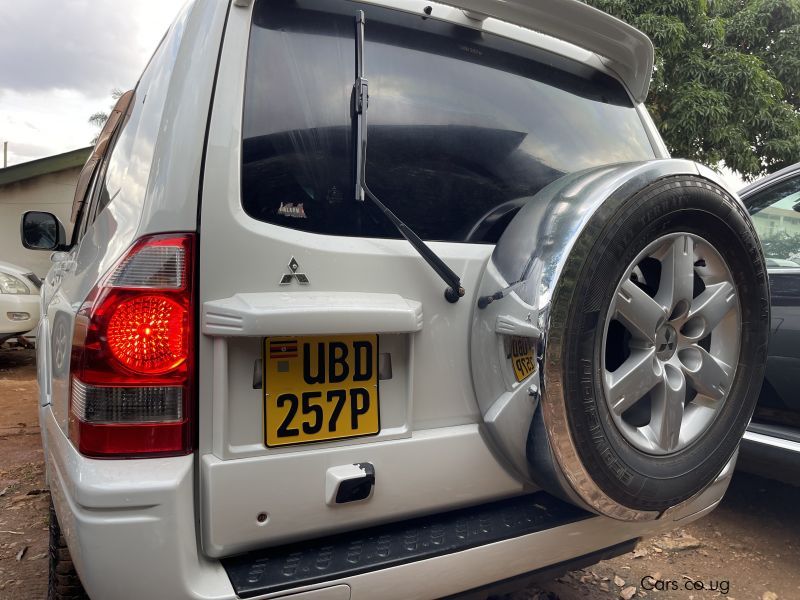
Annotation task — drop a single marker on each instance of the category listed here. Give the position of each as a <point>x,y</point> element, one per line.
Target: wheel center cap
<point>666,342</point>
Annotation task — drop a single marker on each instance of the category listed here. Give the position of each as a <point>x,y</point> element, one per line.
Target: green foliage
<point>726,83</point>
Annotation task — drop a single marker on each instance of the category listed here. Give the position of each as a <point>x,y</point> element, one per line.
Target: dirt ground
<point>23,500</point>
<point>747,549</point>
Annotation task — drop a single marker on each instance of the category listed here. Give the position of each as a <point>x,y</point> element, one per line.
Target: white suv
<point>257,380</point>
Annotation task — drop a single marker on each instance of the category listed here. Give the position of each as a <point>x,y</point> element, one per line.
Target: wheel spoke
<point>667,409</point>
<point>633,379</point>
<point>706,374</point>
<point>638,312</point>
<point>709,308</point>
<point>677,273</point>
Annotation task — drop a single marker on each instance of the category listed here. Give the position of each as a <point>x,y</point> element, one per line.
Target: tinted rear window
<point>463,126</point>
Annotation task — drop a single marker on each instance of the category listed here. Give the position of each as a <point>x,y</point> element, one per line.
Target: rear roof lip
<point>622,48</point>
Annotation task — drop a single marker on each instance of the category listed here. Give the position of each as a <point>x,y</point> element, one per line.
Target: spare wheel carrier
<point>651,269</point>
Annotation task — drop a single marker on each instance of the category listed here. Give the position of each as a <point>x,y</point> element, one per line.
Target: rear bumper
<point>130,541</point>
<point>22,304</point>
<point>140,541</point>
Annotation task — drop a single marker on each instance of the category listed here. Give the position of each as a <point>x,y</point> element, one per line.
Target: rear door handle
<point>310,313</point>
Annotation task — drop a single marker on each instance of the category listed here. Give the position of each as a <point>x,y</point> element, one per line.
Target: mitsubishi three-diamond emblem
<point>668,343</point>
<point>286,278</point>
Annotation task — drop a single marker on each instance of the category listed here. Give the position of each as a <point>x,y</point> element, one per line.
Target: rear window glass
<point>463,126</point>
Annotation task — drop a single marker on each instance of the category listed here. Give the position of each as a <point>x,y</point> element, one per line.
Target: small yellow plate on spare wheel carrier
<point>320,388</point>
<point>522,357</point>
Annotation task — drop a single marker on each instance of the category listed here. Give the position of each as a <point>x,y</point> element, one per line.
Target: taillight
<point>132,365</point>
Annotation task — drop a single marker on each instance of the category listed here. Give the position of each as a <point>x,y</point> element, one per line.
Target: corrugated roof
<point>43,166</point>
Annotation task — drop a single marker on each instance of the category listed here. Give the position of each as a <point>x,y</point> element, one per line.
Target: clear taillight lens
<point>104,404</point>
<point>132,362</point>
<point>158,265</point>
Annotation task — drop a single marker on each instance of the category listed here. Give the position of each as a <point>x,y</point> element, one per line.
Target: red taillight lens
<point>132,362</point>
<point>146,334</point>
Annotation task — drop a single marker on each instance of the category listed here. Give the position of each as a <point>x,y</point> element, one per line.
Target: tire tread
<point>63,580</point>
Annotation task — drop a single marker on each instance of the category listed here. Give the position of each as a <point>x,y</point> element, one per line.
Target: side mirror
<point>42,231</point>
<point>796,207</point>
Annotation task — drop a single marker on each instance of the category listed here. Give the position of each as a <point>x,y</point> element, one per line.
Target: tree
<point>99,118</point>
<point>726,83</point>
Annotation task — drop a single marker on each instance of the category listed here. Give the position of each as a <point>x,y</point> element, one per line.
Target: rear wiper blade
<point>454,289</point>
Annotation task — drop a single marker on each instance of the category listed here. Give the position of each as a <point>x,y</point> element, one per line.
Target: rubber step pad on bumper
<point>392,544</point>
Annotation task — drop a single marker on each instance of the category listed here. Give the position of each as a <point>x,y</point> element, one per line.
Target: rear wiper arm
<point>454,290</point>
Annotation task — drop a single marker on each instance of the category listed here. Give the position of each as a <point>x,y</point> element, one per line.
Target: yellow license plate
<point>320,388</point>
<point>521,356</point>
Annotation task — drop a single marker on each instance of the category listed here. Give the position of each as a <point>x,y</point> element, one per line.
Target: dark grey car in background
<point>771,446</point>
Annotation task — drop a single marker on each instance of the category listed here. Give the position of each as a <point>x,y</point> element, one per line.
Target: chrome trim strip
<point>772,441</point>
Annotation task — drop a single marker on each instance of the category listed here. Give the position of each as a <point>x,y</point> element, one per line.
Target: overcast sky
<point>59,61</point>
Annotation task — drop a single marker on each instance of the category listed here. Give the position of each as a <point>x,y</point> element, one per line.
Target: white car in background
<point>19,301</point>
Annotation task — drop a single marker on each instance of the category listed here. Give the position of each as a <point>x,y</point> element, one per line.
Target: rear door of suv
<point>326,340</point>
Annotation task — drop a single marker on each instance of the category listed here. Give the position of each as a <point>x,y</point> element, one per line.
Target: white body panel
<point>413,472</point>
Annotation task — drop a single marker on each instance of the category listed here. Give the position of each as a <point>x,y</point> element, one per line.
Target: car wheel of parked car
<point>655,362</point>
<point>63,583</point>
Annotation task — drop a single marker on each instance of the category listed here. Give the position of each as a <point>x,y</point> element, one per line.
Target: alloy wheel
<point>671,343</point>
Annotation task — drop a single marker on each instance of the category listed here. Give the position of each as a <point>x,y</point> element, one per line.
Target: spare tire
<point>643,291</point>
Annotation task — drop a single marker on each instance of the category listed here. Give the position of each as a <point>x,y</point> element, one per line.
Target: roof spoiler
<point>624,49</point>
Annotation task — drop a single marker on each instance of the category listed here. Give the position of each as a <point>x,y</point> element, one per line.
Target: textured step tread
<point>393,544</point>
